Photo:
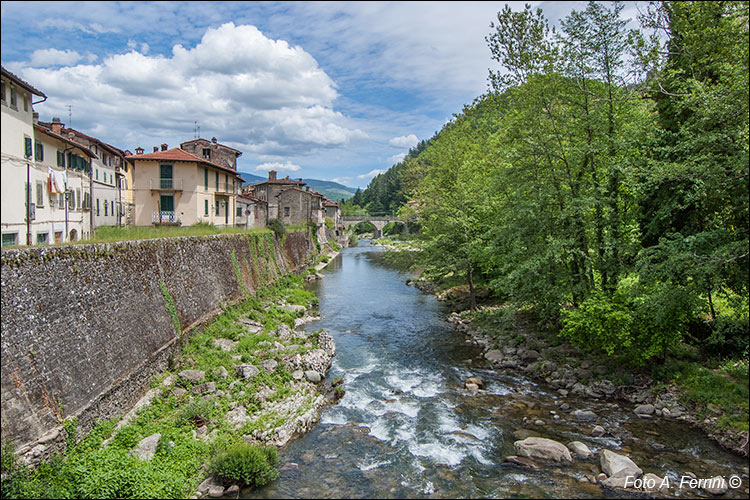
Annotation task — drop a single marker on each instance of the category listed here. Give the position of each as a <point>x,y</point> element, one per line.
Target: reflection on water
<point>407,428</point>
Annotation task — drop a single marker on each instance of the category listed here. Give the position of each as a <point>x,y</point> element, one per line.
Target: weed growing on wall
<point>171,308</point>
<point>238,273</point>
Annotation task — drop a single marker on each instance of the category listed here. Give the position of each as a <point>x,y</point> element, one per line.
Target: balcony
<point>225,188</point>
<point>157,184</point>
<point>166,218</point>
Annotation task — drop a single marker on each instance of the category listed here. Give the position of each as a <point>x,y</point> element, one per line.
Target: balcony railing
<point>166,217</point>
<point>158,184</point>
<point>225,187</point>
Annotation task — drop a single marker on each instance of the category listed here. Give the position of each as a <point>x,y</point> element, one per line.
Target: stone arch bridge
<point>378,221</point>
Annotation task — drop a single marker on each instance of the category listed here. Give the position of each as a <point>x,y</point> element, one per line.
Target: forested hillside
<point>602,182</point>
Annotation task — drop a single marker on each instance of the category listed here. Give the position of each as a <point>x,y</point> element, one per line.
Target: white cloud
<point>370,174</point>
<point>54,57</point>
<point>341,180</point>
<point>405,141</point>
<point>259,95</point>
<point>279,167</point>
<point>396,158</point>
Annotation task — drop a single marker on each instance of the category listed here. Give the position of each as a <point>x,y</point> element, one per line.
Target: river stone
<point>476,381</point>
<point>206,388</point>
<point>247,371</point>
<point>522,461</point>
<point>493,356</point>
<point>471,387</point>
<point>216,491</point>
<point>237,417</point>
<point>293,308</point>
<point>618,466</point>
<point>530,355</point>
<point>146,447</point>
<point>221,372</point>
<point>644,409</point>
<point>717,485</point>
<point>579,449</point>
<point>543,449</point>
<point>654,484</point>
<point>269,365</point>
<point>298,375</point>
<point>598,431</point>
<point>225,344</point>
<point>193,376</point>
<point>584,415</point>
<point>233,490</point>
<point>206,485</point>
<point>312,376</point>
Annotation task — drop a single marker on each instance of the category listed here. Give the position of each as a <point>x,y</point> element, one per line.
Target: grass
<point>107,234</point>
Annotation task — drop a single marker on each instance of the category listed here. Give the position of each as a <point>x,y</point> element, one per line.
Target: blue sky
<point>334,90</point>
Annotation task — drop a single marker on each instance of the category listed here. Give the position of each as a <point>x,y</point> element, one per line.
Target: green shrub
<point>196,412</point>
<point>14,473</point>
<point>329,223</point>
<point>249,464</point>
<point>599,323</point>
<point>277,227</point>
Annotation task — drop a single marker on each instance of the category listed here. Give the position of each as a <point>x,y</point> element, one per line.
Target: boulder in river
<point>493,356</point>
<point>616,466</point>
<point>543,449</point>
<point>522,461</point>
<point>584,415</point>
<point>476,381</point>
<point>579,449</point>
<point>715,486</point>
<point>598,431</point>
<point>644,409</point>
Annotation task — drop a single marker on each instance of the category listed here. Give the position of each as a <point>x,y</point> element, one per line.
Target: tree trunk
<point>472,294</point>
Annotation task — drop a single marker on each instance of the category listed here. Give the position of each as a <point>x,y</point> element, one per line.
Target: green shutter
<point>27,146</point>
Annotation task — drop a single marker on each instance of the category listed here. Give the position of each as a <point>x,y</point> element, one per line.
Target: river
<point>406,426</point>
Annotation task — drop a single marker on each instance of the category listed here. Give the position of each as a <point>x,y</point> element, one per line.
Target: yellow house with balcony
<point>175,187</point>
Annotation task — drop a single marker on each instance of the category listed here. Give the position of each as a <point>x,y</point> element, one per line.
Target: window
<point>78,199</point>
<point>97,174</point>
<point>286,211</point>
<point>60,159</point>
<point>217,181</point>
<point>42,238</point>
<point>86,201</point>
<point>207,153</point>
<point>97,207</point>
<point>9,239</point>
<point>112,207</point>
<point>2,92</point>
<point>205,207</point>
<point>106,208</point>
<point>239,210</point>
<point>38,151</point>
<point>39,194</point>
<point>25,103</point>
<point>27,146</point>
<point>13,102</point>
<point>217,207</point>
<point>61,200</point>
<point>205,178</point>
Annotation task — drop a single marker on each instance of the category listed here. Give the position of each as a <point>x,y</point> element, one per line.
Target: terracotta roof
<point>294,188</point>
<point>284,180</point>
<point>252,198</point>
<point>45,130</point>
<point>22,83</point>
<point>200,139</point>
<point>177,154</point>
<point>329,203</point>
<point>112,149</point>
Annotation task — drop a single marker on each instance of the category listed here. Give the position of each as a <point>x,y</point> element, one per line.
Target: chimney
<point>163,147</point>
<point>300,179</point>
<point>35,115</point>
<point>57,126</point>
<point>156,148</point>
<point>272,175</point>
<point>139,150</point>
<point>213,139</point>
<point>307,189</point>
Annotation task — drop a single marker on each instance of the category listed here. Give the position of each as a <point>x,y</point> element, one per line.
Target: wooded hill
<point>602,181</point>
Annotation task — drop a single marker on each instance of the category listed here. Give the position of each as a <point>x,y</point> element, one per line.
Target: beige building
<point>175,187</point>
<point>251,211</point>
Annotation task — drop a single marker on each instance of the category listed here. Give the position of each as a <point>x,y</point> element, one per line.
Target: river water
<point>406,426</point>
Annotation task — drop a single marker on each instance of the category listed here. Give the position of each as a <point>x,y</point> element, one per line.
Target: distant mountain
<point>329,189</point>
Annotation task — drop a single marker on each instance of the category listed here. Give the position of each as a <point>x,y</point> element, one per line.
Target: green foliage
<point>195,413</point>
<point>599,323</point>
<point>277,227</point>
<point>363,227</point>
<point>171,308</point>
<point>329,223</point>
<point>14,472</point>
<point>246,463</point>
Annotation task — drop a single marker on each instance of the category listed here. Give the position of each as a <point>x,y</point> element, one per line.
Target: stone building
<point>268,191</point>
<point>213,151</point>
<point>251,211</point>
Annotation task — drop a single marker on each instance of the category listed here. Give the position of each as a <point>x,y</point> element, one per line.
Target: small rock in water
<point>598,431</point>
<point>579,449</point>
<point>312,376</point>
<point>522,461</point>
<point>716,485</point>
<point>584,415</point>
<point>644,409</point>
<point>476,381</point>
<point>471,387</point>
<point>543,449</point>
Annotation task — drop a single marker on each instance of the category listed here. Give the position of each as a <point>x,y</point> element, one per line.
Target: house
<point>302,206</point>
<point>176,187</point>
<point>270,189</point>
<point>333,212</point>
<point>251,211</point>
<point>213,152</point>
<point>107,175</point>
<point>45,183</point>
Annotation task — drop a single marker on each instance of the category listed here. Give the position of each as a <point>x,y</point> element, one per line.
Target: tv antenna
<point>70,116</point>
<point>196,130</point>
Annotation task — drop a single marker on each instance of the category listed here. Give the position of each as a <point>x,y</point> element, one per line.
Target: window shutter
<point>27,146</point>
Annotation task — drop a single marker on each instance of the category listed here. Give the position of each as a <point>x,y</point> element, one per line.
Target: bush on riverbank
<point>247,464</point>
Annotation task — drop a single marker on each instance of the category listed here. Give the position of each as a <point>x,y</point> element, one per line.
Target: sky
<point>327,90</point>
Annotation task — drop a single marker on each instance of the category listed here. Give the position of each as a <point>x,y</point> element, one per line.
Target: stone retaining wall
<point>85,326</point>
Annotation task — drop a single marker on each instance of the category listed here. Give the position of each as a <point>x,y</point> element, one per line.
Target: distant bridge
<point>378,221</point>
